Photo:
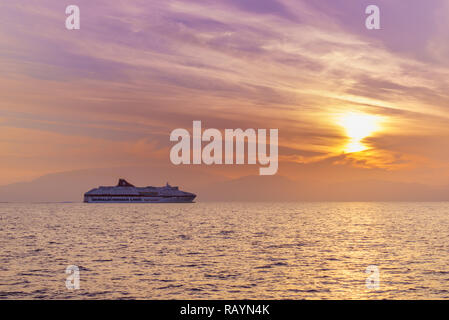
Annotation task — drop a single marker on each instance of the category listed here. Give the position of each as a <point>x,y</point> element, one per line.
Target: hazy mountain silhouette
<point>254,188</point>
<point>277,188</point>
<point>70,186</point>
<point>375,190</point>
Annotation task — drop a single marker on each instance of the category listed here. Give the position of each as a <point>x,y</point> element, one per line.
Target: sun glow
<point>358,126</point>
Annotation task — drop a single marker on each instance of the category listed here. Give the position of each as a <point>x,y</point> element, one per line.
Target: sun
<point>358,126</point>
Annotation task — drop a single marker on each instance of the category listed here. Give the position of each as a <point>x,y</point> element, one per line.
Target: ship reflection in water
<point>126,192</point>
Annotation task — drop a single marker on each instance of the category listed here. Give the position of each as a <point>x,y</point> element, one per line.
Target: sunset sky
<point>109,94</point>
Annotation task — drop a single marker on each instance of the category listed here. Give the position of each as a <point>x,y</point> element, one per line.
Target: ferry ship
<point>125,192</point>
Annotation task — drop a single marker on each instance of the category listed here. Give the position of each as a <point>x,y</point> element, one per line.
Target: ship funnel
<point>124,183</point>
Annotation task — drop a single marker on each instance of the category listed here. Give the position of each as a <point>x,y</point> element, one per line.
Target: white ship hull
<point>138,200</point>
<point>124,192</point>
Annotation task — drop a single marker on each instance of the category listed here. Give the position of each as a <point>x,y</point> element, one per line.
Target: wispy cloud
<point>138,69</point>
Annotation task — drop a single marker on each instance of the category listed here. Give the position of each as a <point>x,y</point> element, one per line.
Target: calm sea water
<point>225,250</point>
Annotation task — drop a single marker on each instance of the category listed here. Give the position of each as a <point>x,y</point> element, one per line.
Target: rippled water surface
<point>225,250</point>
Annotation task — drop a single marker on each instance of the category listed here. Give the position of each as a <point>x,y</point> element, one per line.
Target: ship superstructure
<point>125,192</point>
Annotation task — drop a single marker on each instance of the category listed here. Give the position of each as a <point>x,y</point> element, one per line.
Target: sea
<point>316,250</point>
